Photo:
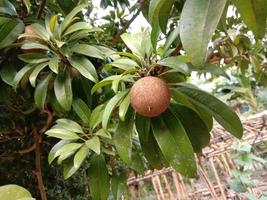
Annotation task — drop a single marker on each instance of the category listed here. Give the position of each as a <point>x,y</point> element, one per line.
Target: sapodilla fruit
<point>150,96</point>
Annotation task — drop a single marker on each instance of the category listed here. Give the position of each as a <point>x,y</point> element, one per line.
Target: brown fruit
<point>150,96</point>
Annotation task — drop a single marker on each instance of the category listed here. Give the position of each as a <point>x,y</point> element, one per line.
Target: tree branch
<point>38,171</point>
<point>41,8</point>
<point>117,37</point>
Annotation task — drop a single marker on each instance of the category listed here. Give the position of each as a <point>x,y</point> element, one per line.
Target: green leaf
<point>198,21</point>
<point>63,90</point>
<point>96,116</point>
<point>80,156</point>
<point>123,63</point>
<point>170,39</point>
<point>68,149</point>
<point>8,73</point>
<point>34,45</point>
<point>137,163</point>
<point>123,108</point>
<point>62,134</point>
<point>69,169</point>
<point>210,68</point>
<point>195,128</point>
<point>15,192</point>
<point>69,18</point>
<point>98,178</point>
<point>221,112</point>
<point>56,147</point>
<point>70,125</point>
<point>88,50</point>
<point>85,67</point>
<point>94,144</point>
<point>123,138</point>
<point>33,58</point>
<point>254,14</point>
<point>53,64</point>
<point>40,31</point>
<point>174,143</point>
<point>27,3</point>
<point>134,43</point>
<point>37,69</point>
<point>80,26</point>
<point>20,74</point>
<point>7,8</point>
<point>164,14</point>
<point>10,32</point>
<point>110,107</point>
<point>40,92</point>
<point>82,110</point>
<point>175,63</point>
<point>118,185</point>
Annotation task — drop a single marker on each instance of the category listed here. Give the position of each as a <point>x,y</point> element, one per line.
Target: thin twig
<point>117,37</point>
<point>41,8</point>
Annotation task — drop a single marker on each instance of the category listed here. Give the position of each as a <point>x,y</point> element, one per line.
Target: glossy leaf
<point>210,68</point>
<point>33,58</point>
<point>174,143</point>
<point>34,45</point>
<point>70,125</point>
<point>123,63</point>
<point>82,110</point>
<point>195,128</point>
<point>94,144</point>
<point>98,178</point>
<point>175,63</point>
<point>20,74</point>
<point>40,92</point>
<point>62,134</point>
<point>164,14</point>
<point>221,112</point>
<point>69,170</point>
<point>96,116</point>
<point>40,31</point>
<point>56,147</point>
<point>63,90</point>
<point>37,69</point>
<point>10,32</point>
<point>123,138</point>
<point>68,149</point>
<point>53,64</point>
<point>110,107</point>
<point>79,26</point>
<point>88,50</point>
<point>85,67</point>
<point>254,14</point>
<point>80,156</point>
<point>6,7</point>
<point>68,19</point>
<point>7,74</point>
<point>123,108</point>
<point>16,192</point>
<point>198,21</point>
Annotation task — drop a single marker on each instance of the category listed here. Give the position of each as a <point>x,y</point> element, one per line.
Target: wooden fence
<point>214,169</point>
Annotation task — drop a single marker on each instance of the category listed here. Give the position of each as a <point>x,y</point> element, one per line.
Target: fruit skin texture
<point>150,96</point>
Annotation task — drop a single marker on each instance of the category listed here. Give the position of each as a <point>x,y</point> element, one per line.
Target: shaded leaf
<point>98,178</point>
<point>174,143</point>
<point>223,115</point>
<point>82,110</point>
<point>37,69</point>
<point>40,92</point>
<point>88,50</point>
<point>123,138</point>
<point>63,90</point>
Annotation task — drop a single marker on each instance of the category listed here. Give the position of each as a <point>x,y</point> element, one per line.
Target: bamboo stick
<point>227,167</point>
<point>160,187</point>
<point>177,187</point>
<point>155,187</point>
<point>185,194</point>
<point>209,184</point>
<point>168,187</point>
<point>211,162</point>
